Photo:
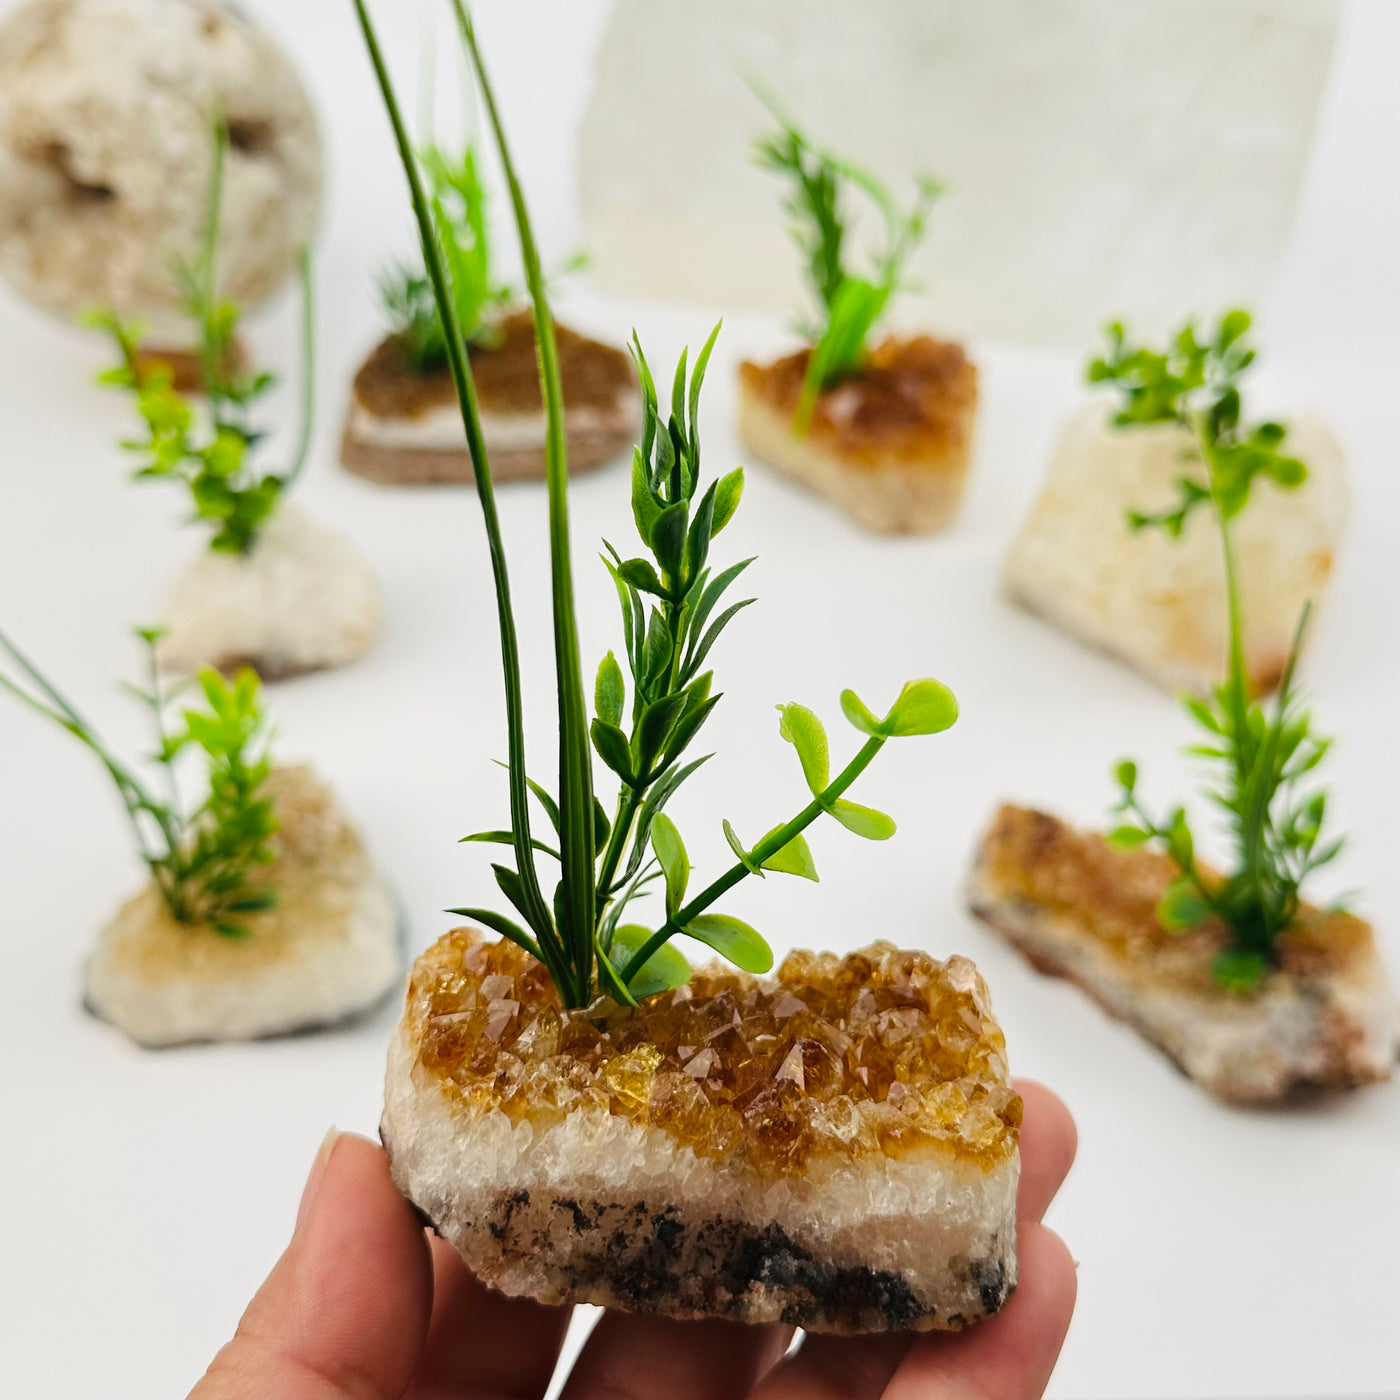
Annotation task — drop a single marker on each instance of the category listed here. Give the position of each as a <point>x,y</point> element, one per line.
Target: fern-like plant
<point>851,303</point>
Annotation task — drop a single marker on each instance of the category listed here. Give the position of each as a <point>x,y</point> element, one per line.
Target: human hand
<point>366,1305</point>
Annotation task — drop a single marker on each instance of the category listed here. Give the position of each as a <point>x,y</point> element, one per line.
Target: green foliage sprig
<point>203,860</point>
<point>213,459</point>
<point>458,203</point>
<point>851,304</point>
<point>1260,755</point>
<point>669,606</point>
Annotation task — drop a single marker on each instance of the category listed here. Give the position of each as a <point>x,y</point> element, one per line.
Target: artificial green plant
<point>213,459</point>
<point>672,611</point>
<point>1259,753</point>
<point>851,304</point>
<point>457,200</point>
<point>203,859</point>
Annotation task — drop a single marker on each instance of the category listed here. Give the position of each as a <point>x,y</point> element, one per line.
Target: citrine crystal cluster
<point>833,1147</point>
<point>881,1051</point>
<point>1323,1017</point>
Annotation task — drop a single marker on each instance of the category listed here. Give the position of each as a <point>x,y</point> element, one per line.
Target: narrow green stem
<point>208,261</point>
<point>540,917</point>
<point>308,368</point>
<point>765,850</point>
<point>575,753</point>
<point>628,802</point>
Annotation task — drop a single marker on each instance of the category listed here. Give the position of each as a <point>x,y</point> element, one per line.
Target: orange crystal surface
<point>1112,895</point>
<point>880,1052</point>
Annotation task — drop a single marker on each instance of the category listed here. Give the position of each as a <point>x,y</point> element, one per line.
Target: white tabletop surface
<point>143,1196</point>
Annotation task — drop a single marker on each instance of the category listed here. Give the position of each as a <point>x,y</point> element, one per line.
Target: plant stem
<point>308,368</point>
<point>628,803</point>
<point>208,256</point>
<point>765,850</point>
<point>577,906</point>
<point>540,917</point>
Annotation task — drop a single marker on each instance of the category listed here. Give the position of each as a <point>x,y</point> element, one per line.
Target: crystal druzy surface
<point>880,1052</point>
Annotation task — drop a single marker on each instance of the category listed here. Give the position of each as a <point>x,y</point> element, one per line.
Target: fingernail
<point>318,1170</point>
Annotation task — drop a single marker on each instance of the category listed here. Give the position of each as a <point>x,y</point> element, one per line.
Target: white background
<point>143,1196</point>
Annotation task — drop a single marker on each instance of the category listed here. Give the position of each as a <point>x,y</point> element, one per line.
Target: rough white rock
<point>1159,603</point>
<point>302,599</point>
<point>105,149</point>
<point>328,950</point>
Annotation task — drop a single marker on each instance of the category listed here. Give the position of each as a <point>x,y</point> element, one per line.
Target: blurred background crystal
<point>1105,158</point>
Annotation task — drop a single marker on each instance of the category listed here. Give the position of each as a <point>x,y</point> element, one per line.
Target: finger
<point>481,1343</point>
<point>1010,1356</point>
<point>1049,1140</point>
<point>344,1312</point>
<point>640,1358</point>
<point>836,1368</point>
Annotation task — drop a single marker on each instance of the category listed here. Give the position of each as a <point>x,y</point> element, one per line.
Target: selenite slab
<point>1108,157</point>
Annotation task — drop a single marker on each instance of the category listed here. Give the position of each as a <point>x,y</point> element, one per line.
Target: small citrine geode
<point>834,1146</point>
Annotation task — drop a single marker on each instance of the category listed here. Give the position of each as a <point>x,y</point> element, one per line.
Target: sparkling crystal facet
<point>882,1051</point>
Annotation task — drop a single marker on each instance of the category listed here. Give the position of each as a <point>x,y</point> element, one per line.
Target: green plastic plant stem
<point>1257,817</point>
<point>208,258</point>
<point>308,367</point>
<point>765,850</point>
<point>540,916</point>
<point>134,798</point>
<point>575,751</point>
<point>158,722</point>
<point>628,804</point>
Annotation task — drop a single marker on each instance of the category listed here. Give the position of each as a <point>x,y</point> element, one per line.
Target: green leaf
<point>642,577</point>
<point>655,727</point>
<point>664,971</point>
<point>668,538</point>
<point>613,748</point>
<point>506,838</point>
<point>1124,838</point>
<point>1240,971</point>
<point>859,713</point>
<point>737,846</point>
<point>733,939</point>
<point>498,923</point>
<point>793,859</point>
<point>696,659</point>
<point>728,493</point>
<point>609,691</point>
<point>863,821</point>
<point>686,729</point>
<point>1181,906</point>
<point>610,978</point>
<point>1126,774</point>
<point>675,863</point>
<point>804,731</point>
<point>645,507</point>
<point>551,808</point>
<point>923,707</point>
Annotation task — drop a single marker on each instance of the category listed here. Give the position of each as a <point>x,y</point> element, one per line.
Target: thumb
<point>345,1310</point>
